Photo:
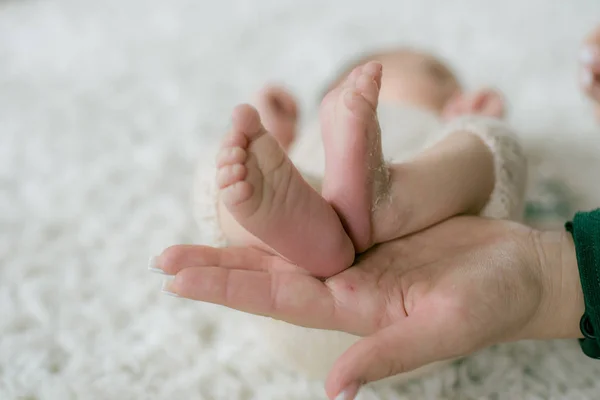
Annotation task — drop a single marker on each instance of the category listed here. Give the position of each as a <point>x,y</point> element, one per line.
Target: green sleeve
<point>585,229</point>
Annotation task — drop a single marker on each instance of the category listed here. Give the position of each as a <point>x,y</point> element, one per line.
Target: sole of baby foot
<point>356,177</point>
<point>268,197</point>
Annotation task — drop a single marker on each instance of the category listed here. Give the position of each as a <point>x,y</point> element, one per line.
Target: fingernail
<point>587,78</point>
<point>589,55</point>
<point>349,393</point>
<point>152,266</point>
<point>166,287</point>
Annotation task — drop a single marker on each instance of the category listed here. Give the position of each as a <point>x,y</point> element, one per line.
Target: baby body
<point>448,153</point>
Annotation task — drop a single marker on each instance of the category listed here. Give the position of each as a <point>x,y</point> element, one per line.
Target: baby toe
<point>237,193</point>
<point>367,87</point>
<point>230,156</point>
<point>246,121</point>
<point>352,77</point>
<point>234,139</point>
<point>374,69</point>
<point>230,174</point>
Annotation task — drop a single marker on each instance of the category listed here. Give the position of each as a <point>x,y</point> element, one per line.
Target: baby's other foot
<point>279,112</point>
<point>268,197</point>
<point>355,174</point>
<point>590,74</point>
<point>485,102</point>
<point>379,202</point>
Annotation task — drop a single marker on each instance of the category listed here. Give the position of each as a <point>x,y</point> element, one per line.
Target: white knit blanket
<point>106,105</point>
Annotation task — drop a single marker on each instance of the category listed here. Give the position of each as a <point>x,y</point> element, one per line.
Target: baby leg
<point>455,176</point>
<point>380,202</point>
<point>264,199</point>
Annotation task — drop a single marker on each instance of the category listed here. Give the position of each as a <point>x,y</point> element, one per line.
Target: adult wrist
<point>562,304</point>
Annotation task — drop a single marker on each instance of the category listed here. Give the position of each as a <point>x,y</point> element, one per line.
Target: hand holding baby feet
<point>415,300</point>
<point>590,68</point>
<point>484,102</point>
<point>265,194</point>
<point>279,112</point>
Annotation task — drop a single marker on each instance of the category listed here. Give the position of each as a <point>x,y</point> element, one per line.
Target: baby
<point>405,105</point>
<point>449,153</point>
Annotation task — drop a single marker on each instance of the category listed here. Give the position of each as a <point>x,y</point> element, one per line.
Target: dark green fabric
<point>585,229</point>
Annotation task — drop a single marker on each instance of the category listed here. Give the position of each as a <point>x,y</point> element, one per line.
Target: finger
<point>295,298</point>
<point>591,84</point>
<point>491,103</point>
<point>595,91</point>
<point>178,257</point>
<point>594,36</point>
<point>590,57</point>
<point>478,100</point>
<point>399,348</point>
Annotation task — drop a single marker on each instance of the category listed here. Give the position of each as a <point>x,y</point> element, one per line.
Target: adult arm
<point>442,293</point>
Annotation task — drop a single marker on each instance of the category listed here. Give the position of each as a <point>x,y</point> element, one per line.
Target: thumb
<point>409,344</point>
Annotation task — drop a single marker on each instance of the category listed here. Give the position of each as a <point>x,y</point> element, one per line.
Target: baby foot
<point>279,113</point>
<point>267,196</point>
<point>355,174</point>
<point>486,102</point>
<point>590,75</point>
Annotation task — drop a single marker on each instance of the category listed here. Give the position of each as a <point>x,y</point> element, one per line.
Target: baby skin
<point>265,202</point>
<point>264,193</point>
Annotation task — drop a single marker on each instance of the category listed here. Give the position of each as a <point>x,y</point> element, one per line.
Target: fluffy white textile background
<point>104,108</point>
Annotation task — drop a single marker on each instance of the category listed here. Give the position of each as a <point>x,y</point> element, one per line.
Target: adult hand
<point>442,293</point>
<point>590,59</point>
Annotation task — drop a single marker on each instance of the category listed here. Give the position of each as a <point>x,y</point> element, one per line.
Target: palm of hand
<point>446,292</point>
